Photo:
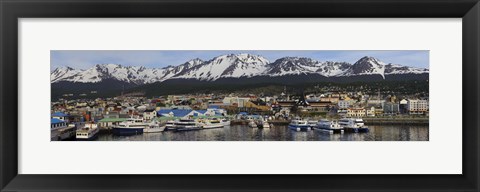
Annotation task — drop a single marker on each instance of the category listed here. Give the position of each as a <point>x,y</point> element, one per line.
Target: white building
<point>239,101</point>
<point>415,106</point>
<point>149,114</point>
<point>344,104</point>
<point>370,112</point>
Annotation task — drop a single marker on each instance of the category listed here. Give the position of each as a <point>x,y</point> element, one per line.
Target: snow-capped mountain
<point>399,69</point>
<point>137,75</point>
<point>301,65</point>
<point>62,73</point>
<point>367,66</point>
<point>231,66</point>
<point>240,65</point>
<point>292,65</point>
<point>331,68</point>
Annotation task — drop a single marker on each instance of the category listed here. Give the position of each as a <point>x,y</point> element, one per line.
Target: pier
<point>396,121</point>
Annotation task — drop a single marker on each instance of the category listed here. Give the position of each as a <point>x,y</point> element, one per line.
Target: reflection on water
<point>280,133</point>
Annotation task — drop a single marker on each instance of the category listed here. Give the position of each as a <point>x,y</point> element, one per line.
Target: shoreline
<point>368,121</point>
<point>396,121</point>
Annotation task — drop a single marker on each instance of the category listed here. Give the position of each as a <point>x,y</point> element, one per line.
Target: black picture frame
<point>12,10</point>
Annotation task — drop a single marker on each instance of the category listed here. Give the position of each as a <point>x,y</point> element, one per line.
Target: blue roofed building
<point>55,126</point>
<point>57,123</point>
<point>60,116</point>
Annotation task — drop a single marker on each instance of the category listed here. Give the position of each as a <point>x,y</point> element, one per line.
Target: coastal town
<point>134,113</point>
<point>228,95</point>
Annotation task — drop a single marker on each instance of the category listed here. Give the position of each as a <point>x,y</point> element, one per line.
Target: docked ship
<point>265,124</point>
<point>312,123</point>
<point>154,127</point>
<point>252,124</point>
<point>330,126</point>
<point>212,123</point>
<point>186,124</point>
<point>353,125</point>
<point>88,132</point>
<point>170,125</point>
<point>130,127</point>
<point>299,125</point>
<point>225,122</point>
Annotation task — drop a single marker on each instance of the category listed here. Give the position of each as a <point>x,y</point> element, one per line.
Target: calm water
<point>280,133</point>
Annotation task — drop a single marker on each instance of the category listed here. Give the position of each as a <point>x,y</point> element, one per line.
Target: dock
<point>396,121</point>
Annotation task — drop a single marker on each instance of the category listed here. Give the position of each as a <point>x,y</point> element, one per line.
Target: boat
<point>186,124</point>
<point>252,124</point>
<point>225,122</point>
<point>330,126</point>
<point>353,125</point>
<point>265,124</point>
<point>130,127</point>
<point>154,127</point>
<point>67,133</point>
<point>170,125</point>
<point>299,125</point>
<point>212,123</point>
<point>88,132</point>
<point>312,123</point>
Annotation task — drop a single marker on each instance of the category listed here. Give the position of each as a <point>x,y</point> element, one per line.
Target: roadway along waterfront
<point>280,133</point>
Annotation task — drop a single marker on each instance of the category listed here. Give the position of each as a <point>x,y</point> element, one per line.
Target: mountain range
<point>230,66</point>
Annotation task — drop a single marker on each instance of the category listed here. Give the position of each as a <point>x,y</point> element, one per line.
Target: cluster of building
<point>110,111</point>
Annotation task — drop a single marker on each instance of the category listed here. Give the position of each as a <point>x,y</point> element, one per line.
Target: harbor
<point>324,113</point>
<point>279,133</point>
<point>249,128</point>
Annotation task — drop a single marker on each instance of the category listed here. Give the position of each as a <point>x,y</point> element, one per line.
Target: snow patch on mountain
<point>63,72</point>
<point>367,66</point>
<point>239,65</point>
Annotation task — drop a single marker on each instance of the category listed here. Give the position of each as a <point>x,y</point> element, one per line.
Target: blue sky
<point>83,59</point>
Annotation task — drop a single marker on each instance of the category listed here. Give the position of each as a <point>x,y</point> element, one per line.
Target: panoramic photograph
<point>239,95</point>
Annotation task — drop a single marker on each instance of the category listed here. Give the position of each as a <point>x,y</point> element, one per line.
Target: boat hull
<point>299,127</point>
<point>127,131</point>
<point>187,128</point>
<point>87,139</point>
<point>212,126</point>
<point>339,130</point>
<point>226,123</point>
<point>356,129</point>
<point>154,130</point>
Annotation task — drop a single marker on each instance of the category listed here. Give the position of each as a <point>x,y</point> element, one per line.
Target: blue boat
<point>129,127</point>
<point>299,125</point>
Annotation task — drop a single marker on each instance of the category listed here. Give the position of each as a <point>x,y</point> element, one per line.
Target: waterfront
<point>280,133</point>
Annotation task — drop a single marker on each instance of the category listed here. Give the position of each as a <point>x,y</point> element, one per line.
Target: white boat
<point>225,122</point>
<point>312,123</point>
<point>153,127</point>
<point>353,125</point>
<point>211,123</point>
<point>170,125</point>
<point>186,124</point>
<point>130,127</point>
<point>88,132</point>
<point>265,124</point>
<point>252,124</point>
<point>299,125</point>
<point>330,126</point>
